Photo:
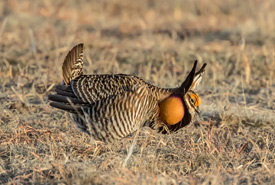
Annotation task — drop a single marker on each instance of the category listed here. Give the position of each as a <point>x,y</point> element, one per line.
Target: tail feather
<point>65,93</point>
<point>76,109</point>
<point>65,90</point>
<point>64,99</point>
<point>73,64</point>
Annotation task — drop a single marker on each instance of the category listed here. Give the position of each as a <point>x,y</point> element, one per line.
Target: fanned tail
<point>73,64</point>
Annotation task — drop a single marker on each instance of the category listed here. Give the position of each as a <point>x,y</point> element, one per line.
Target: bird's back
<point>92,88</point>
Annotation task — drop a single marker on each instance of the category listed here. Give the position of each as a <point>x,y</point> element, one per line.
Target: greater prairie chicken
<point>111,107</point>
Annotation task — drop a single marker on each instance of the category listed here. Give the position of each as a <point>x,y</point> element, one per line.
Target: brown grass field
<point>231,142</point>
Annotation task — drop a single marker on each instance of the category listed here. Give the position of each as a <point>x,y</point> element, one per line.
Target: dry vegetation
<point>233,140</point>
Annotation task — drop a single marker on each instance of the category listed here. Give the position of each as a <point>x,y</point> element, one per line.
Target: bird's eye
<point>195,99</point>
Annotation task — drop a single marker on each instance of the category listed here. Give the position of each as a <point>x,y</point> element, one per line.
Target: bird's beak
<point>197,109</point>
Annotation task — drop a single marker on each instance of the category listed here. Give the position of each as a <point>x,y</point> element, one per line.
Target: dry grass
<point>231,143</point>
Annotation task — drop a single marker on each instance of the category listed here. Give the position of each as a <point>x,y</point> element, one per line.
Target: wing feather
<point>113,117</point>
<point>92,88</point>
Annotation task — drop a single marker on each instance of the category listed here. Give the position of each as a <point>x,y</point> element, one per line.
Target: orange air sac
<point>171,110</point>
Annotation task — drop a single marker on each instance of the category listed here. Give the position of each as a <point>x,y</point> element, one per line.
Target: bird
<point>110,107</point>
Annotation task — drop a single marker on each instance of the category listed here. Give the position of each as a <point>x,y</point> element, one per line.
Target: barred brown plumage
<point>111,107</point>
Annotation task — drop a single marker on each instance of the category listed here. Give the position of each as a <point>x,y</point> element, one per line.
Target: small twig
<point>243,147</point>
<point>131,149</point>
<point>49,88</point>
<point>18,95</point>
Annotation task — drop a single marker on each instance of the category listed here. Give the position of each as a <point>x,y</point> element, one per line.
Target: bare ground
<point>231,142</point>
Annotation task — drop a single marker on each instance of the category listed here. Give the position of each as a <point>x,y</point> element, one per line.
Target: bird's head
<point>177,110</point>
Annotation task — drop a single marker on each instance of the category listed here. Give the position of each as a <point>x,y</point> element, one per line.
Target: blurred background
<point>137,37</point>
<point>157,40</point>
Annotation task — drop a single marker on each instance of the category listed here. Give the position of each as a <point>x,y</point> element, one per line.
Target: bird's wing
<point>113,117</point>
<point>92,88</point>
<point>87,89</point>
